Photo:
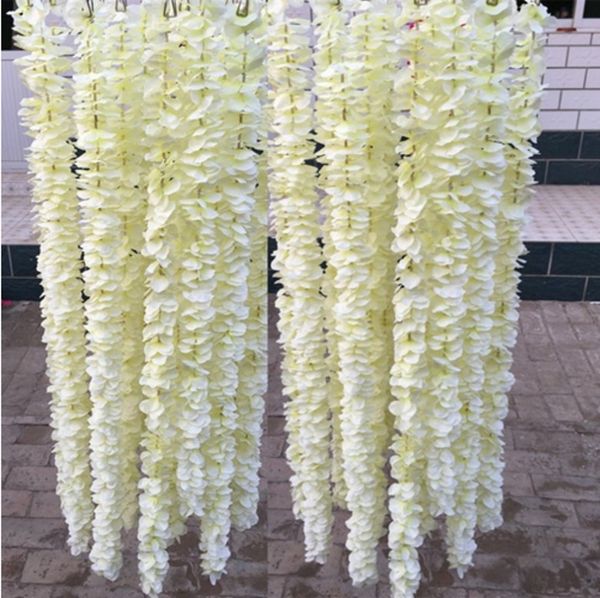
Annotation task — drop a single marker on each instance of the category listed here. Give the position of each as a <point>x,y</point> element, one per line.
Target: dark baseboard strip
<point>568,158</point>
<point>550,271</point>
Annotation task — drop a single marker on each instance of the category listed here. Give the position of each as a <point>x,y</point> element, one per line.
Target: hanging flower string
<point>129,43</point>
<point>243,57</point>
<point>522,128</point>
<point>298,264</point>
<point>493,48</point>
<point>328,22</point>
<point>200,51</point>
<point>159,523</point>
<point>47,119</point>
<point>105,262</point>
<point>253,367</point>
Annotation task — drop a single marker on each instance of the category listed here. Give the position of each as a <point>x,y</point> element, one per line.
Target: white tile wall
<point>559,120</point>
<point>569,39</point>
<point>565,78</point>
<point>584,56</point>
<point>556,56</point>
<point>589,120</point>
<point>593,78</point>
<point>588,99</point>
<point>572,97</point>
<point>551,99</point>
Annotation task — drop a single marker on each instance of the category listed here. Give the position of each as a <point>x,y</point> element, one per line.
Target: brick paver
<point>548,546</point>
<point>35,560</point>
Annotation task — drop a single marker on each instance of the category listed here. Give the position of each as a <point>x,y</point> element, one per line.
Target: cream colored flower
<point>234,190</point>
<point>253,367</point>
<point>493,43</point>
<point>522,128</point>
<point>298,265</point>
<point>47,119</point>
<point>160,519</point>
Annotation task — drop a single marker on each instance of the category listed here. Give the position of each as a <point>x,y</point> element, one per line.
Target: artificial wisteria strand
<point>235,190</point>
<point>253,367</point>
<point>127,37</point>
<point>495,42</point>
<point>200,52</point>
<point>351,201</point>
<point>408,494</point>
<point>329,23</point>
<point>95,111</point>
<point>522,128</point>
<point>298,265</point>
<point>159,380</point>
<point>47,119</point>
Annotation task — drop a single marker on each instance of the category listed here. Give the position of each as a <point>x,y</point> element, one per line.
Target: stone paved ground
<point>35,561</point>
<point>549,545</point>
<point>550,542</point>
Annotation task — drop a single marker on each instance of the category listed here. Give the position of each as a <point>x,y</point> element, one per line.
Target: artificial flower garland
<point>461,113</point>
<point>235,190</point>
<point>522,128</point>
<point>172,226</point>
<point>174,280</point>
<point>328,52</point>
<point>46,116</point>
<point>298,262</point>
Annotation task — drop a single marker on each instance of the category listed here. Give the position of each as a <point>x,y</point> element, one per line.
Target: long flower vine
<point>235,189</point>
<point>521,130</point>
<point>298,264</point>
<point>200,132</point>
<point>46,116</point>
<point>253,367</point>
<point>94,111</point>
<point>328,22</point>
<point>493,49</point>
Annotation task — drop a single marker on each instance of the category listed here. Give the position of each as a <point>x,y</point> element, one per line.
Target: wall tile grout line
<point>580,144</point>
<point>550,258</point>
<point>585,286</point>
<point>10,264</point>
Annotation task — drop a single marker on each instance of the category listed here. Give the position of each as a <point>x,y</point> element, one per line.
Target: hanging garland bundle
<point>165,207</point>
<point>522,128</point>
<point>425,169</point>
<point>487,178</point>
<point>298,262</point>
<point>328,52</point>
<point>46,116</point>
<point>235,191</point>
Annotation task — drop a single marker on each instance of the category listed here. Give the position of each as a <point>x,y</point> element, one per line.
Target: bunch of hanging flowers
<point>329,23</point>
<point>167,215</point>
<point>448,241</point>
<point>524,93</point>
<point>200,49</point>
<point>47,119</point>
<point>298,265</point>
<point>243,57</point>
<point>494,22</point>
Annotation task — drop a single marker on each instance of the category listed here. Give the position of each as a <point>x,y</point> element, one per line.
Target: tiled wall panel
<point>550,271</point>
<point>572,97</point>
<point>569,157</point>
